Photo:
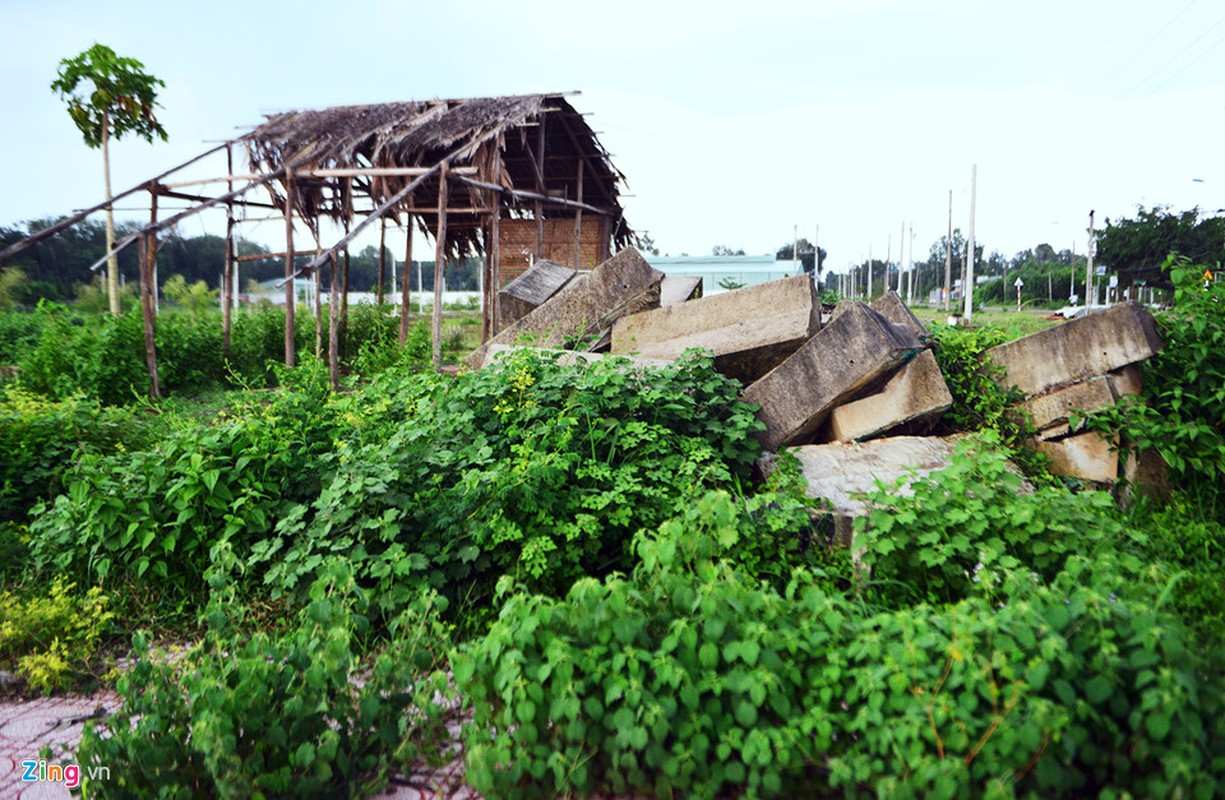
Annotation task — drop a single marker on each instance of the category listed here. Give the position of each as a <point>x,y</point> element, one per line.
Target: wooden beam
<point>533,196</point>
<point>338,172</point>
<point>406,282</point>
<point>169,221</point>
<point>277,256</point>
<point>227,269</point>
<point>147,288</point>
<point>51,230</point>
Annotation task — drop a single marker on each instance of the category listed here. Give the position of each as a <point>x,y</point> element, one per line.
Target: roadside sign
<point>1099,271</point>
<point>1208,275</point>
<point>1019,283</point>
<point>1114,281</point>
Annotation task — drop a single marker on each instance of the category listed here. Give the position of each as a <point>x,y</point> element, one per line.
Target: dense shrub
<point>41,439</point>
<point>531,467</point>
<point>275,716</point>
<point>693,678</point>
<point>165,509</point>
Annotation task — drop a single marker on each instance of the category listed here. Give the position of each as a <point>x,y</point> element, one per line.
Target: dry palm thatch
<point>465,133</point>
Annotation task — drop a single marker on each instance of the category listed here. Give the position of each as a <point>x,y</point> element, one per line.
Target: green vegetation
<point>577,564</point>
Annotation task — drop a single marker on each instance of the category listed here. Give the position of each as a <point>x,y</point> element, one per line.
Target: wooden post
<point>540,188</point>
<point>148,262</point>
<point>317,288</point>
<point>488,290</point>
<point>496,267</point>
<point>344,275</point>
<point>378,294</point>
<point>333,333</point>
<point>291,356</point>
<point>440,254</point>
<point>406,280</point>
<point>227,273</point>
<point>578,221</point>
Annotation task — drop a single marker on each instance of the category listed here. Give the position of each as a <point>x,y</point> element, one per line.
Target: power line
<point>1183,52</point>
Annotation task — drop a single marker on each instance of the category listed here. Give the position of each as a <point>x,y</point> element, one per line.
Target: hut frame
<point>461,171</point>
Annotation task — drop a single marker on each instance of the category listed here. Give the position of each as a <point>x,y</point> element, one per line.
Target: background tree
<point>1136,248</point>
<point>117,99</point>
<point>807,252</point>
<point>724,250</point>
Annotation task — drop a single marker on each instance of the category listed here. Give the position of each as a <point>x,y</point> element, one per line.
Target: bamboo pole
<point>540,187</point>
<point>344,283</point>
<point>440,254</point>
<point>526,195</point>
<point>316,281</point>
<point>290,293</point>
<point>340,172</point>
<point>147,267</point>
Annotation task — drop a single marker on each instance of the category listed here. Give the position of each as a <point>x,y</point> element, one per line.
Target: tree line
<point>57,268</point>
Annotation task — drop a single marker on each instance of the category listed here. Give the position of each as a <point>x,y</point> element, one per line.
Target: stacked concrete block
<point>677,289</point>
<point>1078,367</point>
<point>625,284</point>
<point>530,290</point>
<point>856,350</point>
<point>749,331</point>
<point>916,395</point>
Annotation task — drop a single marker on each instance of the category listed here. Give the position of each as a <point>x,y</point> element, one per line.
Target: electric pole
<point>969,288</point>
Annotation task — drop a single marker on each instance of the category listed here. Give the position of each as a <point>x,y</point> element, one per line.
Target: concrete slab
<point>625,284</point>
<point>1052,409</point>
<point>749,330</point>
<point>1082,348</point>
<point>495,351</point>
<point>677,289</point>
<point>894,309</point>
<point>856,349</point>
<point>1125,381</point>
<point>1086,456</point>
<point>916,393</point>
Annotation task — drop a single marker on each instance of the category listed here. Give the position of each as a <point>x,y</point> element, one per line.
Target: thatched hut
<point>512,179</point>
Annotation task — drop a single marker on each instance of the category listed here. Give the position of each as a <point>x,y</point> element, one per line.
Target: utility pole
<point>816,258</point>
<point>901,248</point>
<point>1089,268</point>
<point>948,258</point>
<point>888,255</point>
<point>910,270</point>
<point>868,294</point>
<point>969,288</point>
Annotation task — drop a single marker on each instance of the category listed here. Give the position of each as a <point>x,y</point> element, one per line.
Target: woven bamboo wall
<point>517,241</point>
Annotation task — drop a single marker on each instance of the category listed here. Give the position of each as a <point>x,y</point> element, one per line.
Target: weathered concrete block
<point>1053,409</point>
<point>916,392</point>
<point>624,284</point>
<point>677,289</point>
<point>495,351</point>
<point>857,348</point>
<point>749,330</point>
<point>1079,349</point>
<point>1086,456</point>
<point>1127,380</point>
<point>531,289</point>
<point>894,309</point>
<point>1144,475</point>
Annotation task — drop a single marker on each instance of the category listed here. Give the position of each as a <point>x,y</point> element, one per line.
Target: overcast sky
<point>733,121</point>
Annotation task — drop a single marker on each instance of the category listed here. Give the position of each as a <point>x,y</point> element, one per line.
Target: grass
<point>1015,323</point>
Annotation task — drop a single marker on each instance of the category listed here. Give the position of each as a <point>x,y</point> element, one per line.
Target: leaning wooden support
<point>291,356</point>
<point>147,288</point>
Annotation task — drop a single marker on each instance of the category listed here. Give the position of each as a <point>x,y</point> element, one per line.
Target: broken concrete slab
<point>894,309</point>
<point>839,473</point>
<point>1079,349</point>
<point>528,291</point>
<point>495,352</point>
<point>916,393</point>
<point>677,289</point>
<point>749,330</point>
<point>857,348</point>
<point>624,284</point>
<point>1053,409</point>
<point>1086,456</point>
<point>1125,381</point>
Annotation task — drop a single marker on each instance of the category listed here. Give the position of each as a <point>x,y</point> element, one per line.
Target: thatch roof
<point>499,136</point>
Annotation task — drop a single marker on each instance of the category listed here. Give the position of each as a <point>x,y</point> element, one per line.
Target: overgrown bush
<point>52,641</point>
<point>41,439</point>
<point>693,678</point>
<point>275,716</point>
<point>162,511</point>
<point>532,467</point>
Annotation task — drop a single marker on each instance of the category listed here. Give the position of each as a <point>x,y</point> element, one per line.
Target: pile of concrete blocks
<point>1081,366</point>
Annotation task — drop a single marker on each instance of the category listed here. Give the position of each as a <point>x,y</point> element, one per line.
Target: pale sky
<point>734,122</point>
